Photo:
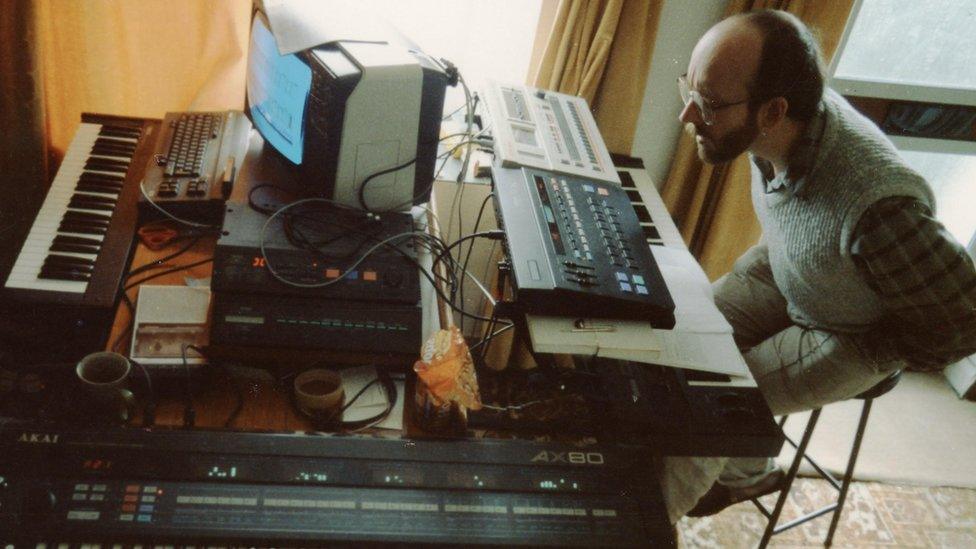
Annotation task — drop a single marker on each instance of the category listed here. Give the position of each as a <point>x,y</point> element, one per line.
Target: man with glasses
<point>853,277</point>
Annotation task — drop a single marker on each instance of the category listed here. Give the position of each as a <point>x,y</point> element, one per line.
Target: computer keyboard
<point>192,134</point>
<point>194,166</point>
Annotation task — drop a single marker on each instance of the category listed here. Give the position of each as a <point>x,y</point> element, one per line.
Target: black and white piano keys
<point>655,221</point>
<point>62,247</point>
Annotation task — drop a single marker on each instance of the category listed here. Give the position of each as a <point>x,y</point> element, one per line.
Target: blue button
<point>625,287</point>
<point>622,277</point>
<point>353,275</point>
<point>589,256</point>
<point>144,518</point>
<point>589,188</point>
<point>638,279</point>
<point>146,508</point>
<point>641,290</point>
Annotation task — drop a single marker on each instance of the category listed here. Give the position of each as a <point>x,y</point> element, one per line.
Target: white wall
<point>682,23</point>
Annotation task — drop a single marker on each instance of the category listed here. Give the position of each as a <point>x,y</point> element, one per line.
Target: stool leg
<point>790,476</point>
<point>849,473</point>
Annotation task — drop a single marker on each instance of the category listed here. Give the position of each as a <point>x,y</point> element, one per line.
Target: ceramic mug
<point>319,393</point>
<point>105,376</point>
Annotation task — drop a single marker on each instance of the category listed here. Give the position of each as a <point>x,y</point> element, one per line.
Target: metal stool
<point>772,527</point>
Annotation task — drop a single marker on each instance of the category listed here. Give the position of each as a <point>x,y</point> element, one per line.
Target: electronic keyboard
<point>576,244</point>
<point>655,222</point>
<point>205,488</point>
<point>61,289</point>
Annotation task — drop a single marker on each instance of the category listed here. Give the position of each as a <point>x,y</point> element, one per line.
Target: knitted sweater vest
<point>809,234</point>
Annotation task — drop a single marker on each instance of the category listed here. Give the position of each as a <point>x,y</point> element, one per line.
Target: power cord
<point>326,422</point>
<point>361,193</point>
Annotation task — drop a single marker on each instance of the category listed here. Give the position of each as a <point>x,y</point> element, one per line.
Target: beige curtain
<point>711,204</point>
<point>139,58</point>
<point>23,152</point>
<point>601,50</point>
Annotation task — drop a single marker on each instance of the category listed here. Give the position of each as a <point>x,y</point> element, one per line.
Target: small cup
<point>105,375</point>
<point>319,394</point>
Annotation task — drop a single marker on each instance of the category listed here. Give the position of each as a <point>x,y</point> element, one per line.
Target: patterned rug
<point>875,515</point>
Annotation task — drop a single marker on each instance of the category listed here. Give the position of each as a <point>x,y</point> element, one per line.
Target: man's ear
<point>773,112</point>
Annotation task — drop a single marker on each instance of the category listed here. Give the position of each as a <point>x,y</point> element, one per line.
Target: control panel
<point>576,245</point>
<point>249,243</point>
<point>549,130</point>
<point>133,485</point>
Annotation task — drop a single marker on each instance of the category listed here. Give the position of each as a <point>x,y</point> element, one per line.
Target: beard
<point>725,148</point>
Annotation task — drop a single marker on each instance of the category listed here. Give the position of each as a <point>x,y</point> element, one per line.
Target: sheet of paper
<point>373,401</point>
<point>694,306</point>
<point>637,341</point>
<point>701,338</point>
<point>553,334</point>
<point>303,24</point>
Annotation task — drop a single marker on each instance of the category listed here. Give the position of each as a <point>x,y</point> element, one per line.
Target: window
<point>909,65</point>
<point>486,40</point>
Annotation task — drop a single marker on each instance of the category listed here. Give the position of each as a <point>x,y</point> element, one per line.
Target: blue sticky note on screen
<point>277,91</point>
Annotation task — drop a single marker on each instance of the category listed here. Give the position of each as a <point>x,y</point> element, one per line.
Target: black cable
<point>166,272</point>
<point>250,197</point>
<point>227,373</point>
<point>125,297</point>
<point>426,190</point>
<point>159,262</point>
<point>117,344</point>
<point>189,413</point>
<point>440,246</point>
<point>325,421</point>
<point>487,340</point>
<point>493,234</point>
<point>298,239</point>
<point>240,398</point>
<point>362,186</point>
<point>467,258</point>
<point>149,410</point>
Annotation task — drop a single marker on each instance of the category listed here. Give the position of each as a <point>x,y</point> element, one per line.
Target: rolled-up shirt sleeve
<point>925,279</point>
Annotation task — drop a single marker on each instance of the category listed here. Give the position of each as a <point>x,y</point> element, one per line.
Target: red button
<point>369,275</point>
<point>130,499</point>
<point>132,488</point>
<point>332,273</point>
<point>129,508</point>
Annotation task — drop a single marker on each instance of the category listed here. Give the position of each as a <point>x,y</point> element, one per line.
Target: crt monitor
<point>345,113</point>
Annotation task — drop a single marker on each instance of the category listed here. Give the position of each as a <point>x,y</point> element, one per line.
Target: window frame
<point>898,91</point>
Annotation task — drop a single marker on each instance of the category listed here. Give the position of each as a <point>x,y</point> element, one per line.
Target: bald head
<point>724,63</point>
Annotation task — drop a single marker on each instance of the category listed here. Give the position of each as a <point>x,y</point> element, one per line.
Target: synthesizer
<point>655,221</point>
<point>247,246</point>
<point>547,130</point>
<point>129,486</point>
<point>250,322</point>
<point>575,244</point>
<point>61,288</point>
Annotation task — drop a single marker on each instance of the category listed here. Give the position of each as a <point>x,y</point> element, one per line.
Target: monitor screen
<point>277,92</point>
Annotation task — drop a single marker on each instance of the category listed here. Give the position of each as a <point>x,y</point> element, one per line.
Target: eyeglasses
<point>705,107</point>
